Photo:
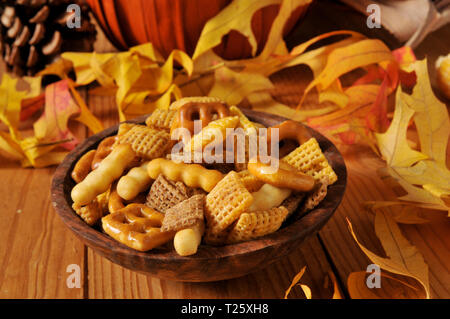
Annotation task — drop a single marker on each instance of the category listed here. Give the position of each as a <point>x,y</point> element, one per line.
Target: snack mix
<point>145,195</point>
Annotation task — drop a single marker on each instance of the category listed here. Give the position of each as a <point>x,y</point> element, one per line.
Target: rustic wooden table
<point>36,248</point>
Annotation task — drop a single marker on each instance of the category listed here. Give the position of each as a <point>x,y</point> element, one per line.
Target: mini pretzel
<point>115,202</point>
<point>211,133</point>
<point>104,149</point>
<point>203,111</point>
<point>286,176</point>
<point>289,130</point>
<point>137,226</point>
<point>83,166</point>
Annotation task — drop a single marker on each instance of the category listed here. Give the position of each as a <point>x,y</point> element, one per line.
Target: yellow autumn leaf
<point>414,169</point>
<point>361,98</point>
<point>393,143</point>
<point>418,195</point>
<point>86,117</point>
<point>104,68</point>
<point>263,101</point>
<point>391,288</point>
<point>403,212</point>
<point>61,67</point>
<point>402,258</point>
<point>295,280</point>
<point>233,87</point>
<point>10,146</point>
<point>431,116</point>
<point>236,16</point>
<point>348,58</point>
<point>140,103</point>
<point>275,42</point>
<point>47,159</point>
<point>10,103</point>
<point>81,62</point>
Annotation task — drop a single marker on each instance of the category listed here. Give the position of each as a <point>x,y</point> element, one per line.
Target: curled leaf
<point>402,258</point>
<point>295,280</point>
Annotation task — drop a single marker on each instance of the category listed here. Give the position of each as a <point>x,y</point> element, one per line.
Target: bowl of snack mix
<point>201,191</point>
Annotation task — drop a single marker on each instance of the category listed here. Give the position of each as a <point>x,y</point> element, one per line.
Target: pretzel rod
<point>136,181</point>
<point>186,241</point>
<point>100,179</point>
<point>193,175</point>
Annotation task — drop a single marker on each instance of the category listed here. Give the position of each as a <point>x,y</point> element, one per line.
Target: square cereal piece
<point>165,194</point>
<point>309,159</point>
<point>226,201</point>
<point>251,182</point>
<point>184,214</point>
<point>251,225</point>
<point>161,119</point>
<point>147,142</point>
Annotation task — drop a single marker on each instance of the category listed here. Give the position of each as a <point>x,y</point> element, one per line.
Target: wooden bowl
<point>210,263</point>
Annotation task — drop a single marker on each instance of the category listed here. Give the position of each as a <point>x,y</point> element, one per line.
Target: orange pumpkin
<point>177,24</point>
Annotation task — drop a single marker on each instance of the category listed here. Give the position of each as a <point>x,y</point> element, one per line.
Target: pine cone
<point>34,32</point>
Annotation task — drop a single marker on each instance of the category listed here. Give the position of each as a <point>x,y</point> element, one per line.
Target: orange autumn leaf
<point>391,288</point>
<point>402,258</point>
<point>59,107</point>
<point>275,43</point>
<point>361,97</point>
<point>237,16</point>
<point>295,281</point>
<point>348,58</point>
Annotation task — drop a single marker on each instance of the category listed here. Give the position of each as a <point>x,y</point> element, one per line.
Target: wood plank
<point>35,247</point>
<point>108,280</point>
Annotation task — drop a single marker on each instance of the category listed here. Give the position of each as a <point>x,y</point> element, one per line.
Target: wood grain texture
<point>35,247</point>
<point>108,280</point>
<point>27,275</point>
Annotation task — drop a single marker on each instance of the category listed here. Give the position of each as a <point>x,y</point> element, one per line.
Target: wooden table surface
<point>36,248</point>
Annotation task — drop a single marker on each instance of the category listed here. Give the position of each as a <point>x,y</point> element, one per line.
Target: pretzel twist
<point>289,130</point>
<point>203,111</point>
<point>137,226</point>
